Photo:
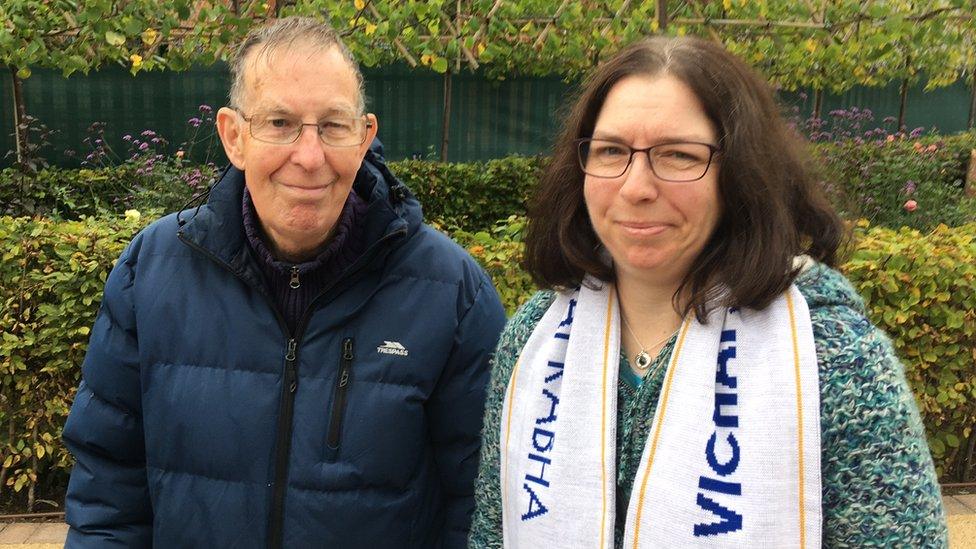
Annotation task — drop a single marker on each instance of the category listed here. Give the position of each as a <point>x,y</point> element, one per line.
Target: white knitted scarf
<point>732,458</point>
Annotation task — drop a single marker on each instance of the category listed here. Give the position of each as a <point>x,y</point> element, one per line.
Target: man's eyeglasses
<point>336,131</point>
<point>677,162</point>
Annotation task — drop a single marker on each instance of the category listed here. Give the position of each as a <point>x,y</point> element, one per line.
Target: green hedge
<point>51,279</point>
<point>474,195</point>
<point>921,288</point>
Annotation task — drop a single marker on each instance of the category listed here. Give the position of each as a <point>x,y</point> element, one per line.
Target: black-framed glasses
<point>678,162</point>
<point>335,131</point>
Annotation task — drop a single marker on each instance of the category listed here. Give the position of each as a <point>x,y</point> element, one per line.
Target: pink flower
<point>910,206</point>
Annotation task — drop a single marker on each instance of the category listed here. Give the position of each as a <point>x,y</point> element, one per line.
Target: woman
<point>696,373</point>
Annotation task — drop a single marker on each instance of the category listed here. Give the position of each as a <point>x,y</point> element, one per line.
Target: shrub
<point>51,278</point>
<point>876,179</point>
<point>76,193</point>
<point>474,195</point>
<point>921,289</point>
<point>499,250</point>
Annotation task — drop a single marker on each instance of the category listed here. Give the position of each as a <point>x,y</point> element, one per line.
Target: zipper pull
<point>290,353</point>
<point>291,374</point>
<point>294,283</point>
<point>346,362</point>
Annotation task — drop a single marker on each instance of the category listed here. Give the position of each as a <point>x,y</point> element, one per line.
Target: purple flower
<point>916,132</point>
<point>143,146</point>
<point>148,133</point>
<point>909,187</point>
<point>126,137</point>
<point>890,120</point>
<point>195,122</point>
<point>155,140</point>
<point>205,109</point>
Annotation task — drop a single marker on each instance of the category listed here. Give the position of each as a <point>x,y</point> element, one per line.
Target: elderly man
<point>300,362</point>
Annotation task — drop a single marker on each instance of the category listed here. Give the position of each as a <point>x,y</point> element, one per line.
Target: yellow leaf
<point>149,36</point>
<point>726,5</point>
<point>811,45</point>
<point>655,26</point>
<point>481,48</point>
<point>370,29</point>
<point>360,4</point>
<point>682,31</point>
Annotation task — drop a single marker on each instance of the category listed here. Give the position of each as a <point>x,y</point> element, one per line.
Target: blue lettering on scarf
<point>536,508</point>
<point>544,439</point>
<point>731,521</point>
<point>725,416</point>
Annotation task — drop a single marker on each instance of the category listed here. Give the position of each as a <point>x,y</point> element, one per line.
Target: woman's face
<point>653,229</point>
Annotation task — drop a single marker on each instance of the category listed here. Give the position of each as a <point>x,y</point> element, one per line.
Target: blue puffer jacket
<point>201,421</point>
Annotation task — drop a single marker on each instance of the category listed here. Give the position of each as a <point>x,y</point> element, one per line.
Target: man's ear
<point>230,127</point>
<point>370,134</point>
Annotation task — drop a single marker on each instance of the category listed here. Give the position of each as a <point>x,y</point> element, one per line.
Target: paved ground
<point>24,535</point>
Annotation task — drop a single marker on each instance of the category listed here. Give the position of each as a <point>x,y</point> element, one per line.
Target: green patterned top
<point>878,481</point>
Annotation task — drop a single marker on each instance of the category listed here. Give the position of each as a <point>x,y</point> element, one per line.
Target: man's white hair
<point>281,34</point>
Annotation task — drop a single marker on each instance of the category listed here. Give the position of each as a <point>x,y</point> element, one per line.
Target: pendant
<point>642,360</point>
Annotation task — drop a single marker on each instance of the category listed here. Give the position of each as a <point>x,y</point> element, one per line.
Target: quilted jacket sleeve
<point>456,407</point>
<point>107,504</point>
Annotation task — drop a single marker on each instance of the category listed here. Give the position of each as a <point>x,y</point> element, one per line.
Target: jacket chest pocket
<point>340,397</point>
<point>376,421</point>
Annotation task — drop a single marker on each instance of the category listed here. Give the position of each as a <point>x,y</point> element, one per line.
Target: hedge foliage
<point>471,196</point>
<point>51,279</point>
<point>920,287</point>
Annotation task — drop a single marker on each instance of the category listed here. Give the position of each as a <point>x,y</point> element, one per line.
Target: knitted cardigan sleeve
<point>486,526</point>
<point>879,483</point>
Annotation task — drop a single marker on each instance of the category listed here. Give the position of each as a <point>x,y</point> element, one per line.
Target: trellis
<point>797,44</point>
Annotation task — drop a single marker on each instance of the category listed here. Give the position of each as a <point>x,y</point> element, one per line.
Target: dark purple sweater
<point>293,286</point>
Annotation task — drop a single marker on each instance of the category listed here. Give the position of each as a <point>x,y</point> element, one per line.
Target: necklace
<point>642,359</point>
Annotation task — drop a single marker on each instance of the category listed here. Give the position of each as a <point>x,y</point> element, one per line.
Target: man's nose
<point>308,151</point>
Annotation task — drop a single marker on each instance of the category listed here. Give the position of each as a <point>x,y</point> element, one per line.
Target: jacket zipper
<point>283,443</point>
<point>342,386</point>
<point>284,428</point>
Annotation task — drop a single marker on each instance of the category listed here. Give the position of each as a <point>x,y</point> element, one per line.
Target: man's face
<point>298,189</point>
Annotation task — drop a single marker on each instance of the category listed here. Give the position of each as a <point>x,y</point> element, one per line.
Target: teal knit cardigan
<point>879,485</point>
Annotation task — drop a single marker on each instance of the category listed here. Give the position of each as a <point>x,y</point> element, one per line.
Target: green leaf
<point>114,39</point>
<point>439,65</point>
